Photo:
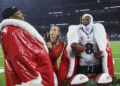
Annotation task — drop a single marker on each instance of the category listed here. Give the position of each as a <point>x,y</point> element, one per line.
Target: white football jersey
<point>88,40</point>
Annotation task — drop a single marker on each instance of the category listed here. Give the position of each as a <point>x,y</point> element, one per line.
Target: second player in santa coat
<point>69,63</point>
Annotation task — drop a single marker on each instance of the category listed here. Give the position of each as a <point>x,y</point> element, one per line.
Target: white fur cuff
<point>34,82</point>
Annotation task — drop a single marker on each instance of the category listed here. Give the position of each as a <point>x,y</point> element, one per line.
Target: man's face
<point>86,20</point>
<point>18,15</point>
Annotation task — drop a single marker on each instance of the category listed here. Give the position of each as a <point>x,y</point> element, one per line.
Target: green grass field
<point>115,46</point>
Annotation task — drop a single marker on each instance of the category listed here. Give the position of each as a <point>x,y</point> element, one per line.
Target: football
<point>77,48</point>
<point>103,79</point>
<point>79,80</point>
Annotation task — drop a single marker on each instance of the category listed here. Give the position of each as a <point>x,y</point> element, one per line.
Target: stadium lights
<point>50,13</point>
<point>115,7</point>
<point>85,10</point>
<point>77,11</point>
<point>62,24</point>
<point>82,10</point>
<point>55,13</point>
<point>99,21</point>
<point>52,24</point>
<point>106,7</point>
<point>112,7</point>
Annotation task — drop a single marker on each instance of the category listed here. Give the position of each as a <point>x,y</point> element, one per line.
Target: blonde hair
<point>58,38</point>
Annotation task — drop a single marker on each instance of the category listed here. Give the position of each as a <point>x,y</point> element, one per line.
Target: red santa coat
<point>54,55</point>
<point>26,55</point>
<point>68,65</point>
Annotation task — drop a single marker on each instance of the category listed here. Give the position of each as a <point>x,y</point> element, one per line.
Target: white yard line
<point>1,67</point>
<point>116,58</point>
<point>2,70</point>
<point>1,56</point>
<point>117,73</point>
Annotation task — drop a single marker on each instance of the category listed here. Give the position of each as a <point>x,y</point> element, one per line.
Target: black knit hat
<point>8,12</point>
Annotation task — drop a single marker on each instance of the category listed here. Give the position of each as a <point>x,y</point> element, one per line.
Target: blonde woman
<point>55,46</point>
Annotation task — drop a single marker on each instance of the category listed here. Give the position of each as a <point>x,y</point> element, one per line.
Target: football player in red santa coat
<point>87,50</point>
<point>27,62</point>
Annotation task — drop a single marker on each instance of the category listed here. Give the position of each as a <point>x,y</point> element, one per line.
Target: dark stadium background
<point>43,13</point>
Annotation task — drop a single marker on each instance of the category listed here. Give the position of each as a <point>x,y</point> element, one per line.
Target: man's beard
<point>85,24</point>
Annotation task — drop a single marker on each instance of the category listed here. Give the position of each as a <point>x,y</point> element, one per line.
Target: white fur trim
<point>34,82</point>
<point>72,37</point>
<point>26,26</point>
<point>79,79</point>
<point>100,36</point>
<point>55,80</point>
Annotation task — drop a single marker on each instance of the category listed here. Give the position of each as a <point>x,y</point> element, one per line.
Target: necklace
<point>87,33</point>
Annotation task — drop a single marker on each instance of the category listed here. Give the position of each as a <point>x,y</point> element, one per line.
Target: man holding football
<point>87,50</point>
<point>88,63</point>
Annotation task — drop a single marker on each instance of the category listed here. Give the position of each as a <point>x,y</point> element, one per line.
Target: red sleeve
<point>109,58</point>
<point>55,53</point>
<point>64,66</point>
<point>28,56</point>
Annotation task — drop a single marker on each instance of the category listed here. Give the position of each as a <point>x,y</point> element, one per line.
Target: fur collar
<point>26,26</point>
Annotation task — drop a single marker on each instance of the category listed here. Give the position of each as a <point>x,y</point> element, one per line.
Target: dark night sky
<point>33,9</point>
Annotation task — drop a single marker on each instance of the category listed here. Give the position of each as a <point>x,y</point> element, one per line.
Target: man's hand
<point>77,48</point>
<point>98,55</point>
